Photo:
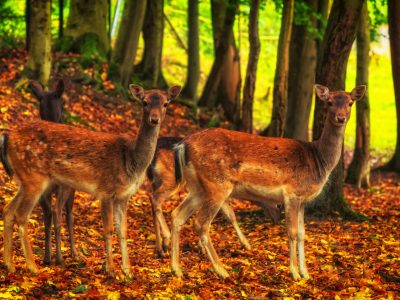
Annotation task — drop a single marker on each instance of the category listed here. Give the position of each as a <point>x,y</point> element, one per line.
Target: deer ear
<point>358,92</point>
<point>36,89</point>
<point>137,91</point>
<point>173,92</point>
<point>322,92</point>
<point>59,88</point>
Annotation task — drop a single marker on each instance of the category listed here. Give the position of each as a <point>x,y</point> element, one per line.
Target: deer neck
<point>329,147</point>
<point>143,151</point>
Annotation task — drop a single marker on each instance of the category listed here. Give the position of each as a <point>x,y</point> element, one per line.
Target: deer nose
<point>341,119</point>
<point>154,120</point>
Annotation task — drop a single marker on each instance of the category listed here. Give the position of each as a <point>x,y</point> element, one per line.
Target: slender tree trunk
<point>116,17</point>
<point>331,71</point>
<point>86,32</point>
<point>153,34</point>
<point>250,81</point>
<point>394,34</point>
<point>39,59</point>
<point>224,84</point>
<point>221,53</point>
<point>28,8</point>
<point>127,42</point>
<point>279,108</point>
<point>193,69</point>
<point>302,65</point>
<point>61,18</point>
<point>359,169</point>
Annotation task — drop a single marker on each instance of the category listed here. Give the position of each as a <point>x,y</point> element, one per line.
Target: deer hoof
<point>33,268</point>
<point>59,262</point>
<point>223,274</point>
<point>177,272</point>
<point>10,268</point>
<point>296,275</point>
<point>162,253</point>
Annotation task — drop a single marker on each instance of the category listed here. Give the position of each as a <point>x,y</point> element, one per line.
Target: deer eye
<point>165,104</point>
<point>351,103</point>
<point>330,103</point>
<point>145,103</point>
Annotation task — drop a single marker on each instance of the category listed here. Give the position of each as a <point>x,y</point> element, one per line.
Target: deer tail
<point>179,158</point>
<point>3,153</point>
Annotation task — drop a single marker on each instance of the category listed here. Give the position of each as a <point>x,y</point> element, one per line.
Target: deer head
<point>339,102</point>
<point>154,102</point>
<point>51,103</point>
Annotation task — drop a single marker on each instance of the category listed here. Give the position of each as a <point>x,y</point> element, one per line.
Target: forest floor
<point>346,259</point>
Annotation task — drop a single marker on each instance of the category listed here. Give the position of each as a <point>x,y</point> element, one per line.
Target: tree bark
<point>153,33</point>
<point>250,81</point>
<point>124,55</point>
<point>193,68</point>
<point>86,32</point>
<point>226,91</point>
<point>279,106</point>
<point>39,59</point>
<point>60,18</point>
<point>28,8</point>
<point>359,169</point>
<point>394,34</point>
<point>331,72</point>
<point>302,65</point>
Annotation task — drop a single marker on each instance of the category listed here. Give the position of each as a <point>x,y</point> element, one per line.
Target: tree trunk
<point>28,8</point>
<point>86,32</point>
<point>193,68</point>
<point>60,18</point>
<point>227,86</point>
<point>250,81</point>
<point>394,34</point>
<point>302,65</point>
<point>359,169</point>
<point>153,34</point>
<point>279,106</point>
<point>124,55</point>
<point>331,71</point>
<point>39,59</point>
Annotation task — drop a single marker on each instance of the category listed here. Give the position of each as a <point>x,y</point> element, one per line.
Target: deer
<point>109,166</point>
<point>51,106</point>
<point>161,174</point>
<point>218,163</point>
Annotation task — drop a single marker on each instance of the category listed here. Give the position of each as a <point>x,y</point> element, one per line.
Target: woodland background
<point>244,65</point>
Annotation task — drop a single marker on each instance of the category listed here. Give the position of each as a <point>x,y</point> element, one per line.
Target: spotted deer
<point>109,166</point>
<point>161,174</point>
<point>51,108</point>
<point>219,163</point>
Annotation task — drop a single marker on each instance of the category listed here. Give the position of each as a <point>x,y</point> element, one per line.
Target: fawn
<point>51,108</point>
<point>109,166</point>
<point>219,163</point>
<point>161,174</point>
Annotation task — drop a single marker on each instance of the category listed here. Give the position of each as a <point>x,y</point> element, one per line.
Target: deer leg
<point>70,222</point>
<point>292,214</point>
<point>166,234</point>
<point>57,212</point>
<point>22,214</point>
<point>300,237</point>
<point>9,219</point>
<point>179,217</point>
<point>230,215</point>
<point>120,208</point>
<point>45,203</point>
<point>107,217</point>
<point>203,220</point>
<point>156,208</point>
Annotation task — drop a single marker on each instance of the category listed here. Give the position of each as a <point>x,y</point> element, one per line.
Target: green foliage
<point>303,15</point>
<point>12,23</point>
<point>378,17</point>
